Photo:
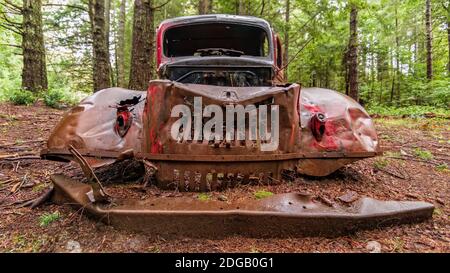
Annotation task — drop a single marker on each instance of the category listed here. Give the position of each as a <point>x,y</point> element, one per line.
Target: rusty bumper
<point>192,172</point>
<point>280,215</point>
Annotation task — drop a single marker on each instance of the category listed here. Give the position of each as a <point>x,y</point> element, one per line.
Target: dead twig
<point>17,166</point>
<point>412,159</point>
<point>19,185</point>
<point>21,142</point>
<point>391,173</point>
<point>30,157</point>
<point>36,202</point>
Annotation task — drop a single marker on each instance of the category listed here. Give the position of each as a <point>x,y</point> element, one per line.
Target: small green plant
<point>54,98</point>
<point>39,187</point>
<point>48,218</point>
<point>22,97</point>
<point>381,163</point>
<point>423,154</point>
<point>397,245</point>
<point>263,194</point>
<point>19,241</point>
<point>392,153</point>
<point>204,197</point>
<point>442,167</point>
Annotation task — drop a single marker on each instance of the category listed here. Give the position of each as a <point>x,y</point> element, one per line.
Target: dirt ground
<point>414,168</point>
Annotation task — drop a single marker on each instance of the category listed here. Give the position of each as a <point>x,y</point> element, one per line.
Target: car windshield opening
<point>215,39</point>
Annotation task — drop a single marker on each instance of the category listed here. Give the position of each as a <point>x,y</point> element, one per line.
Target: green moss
<point>204,197</point>
<point>262,194</point>
<point>442,167</point>
<point>423,154</point>
<point>48,218</point>
<point>22,97</point>
<point>381,163</point>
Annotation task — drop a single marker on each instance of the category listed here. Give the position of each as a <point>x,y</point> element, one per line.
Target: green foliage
<point>22,97</point>
<point>48,218</point>
<point>203,197</point>
<point>380,163</point>
<point>423,154</point>
<point>409,111</point>
<point>442,167</point>
<point>262,194</point>
<point>53,98</point>
<point>57,98</point>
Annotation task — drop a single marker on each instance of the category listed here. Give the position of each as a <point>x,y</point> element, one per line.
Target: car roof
<point>217,18</point>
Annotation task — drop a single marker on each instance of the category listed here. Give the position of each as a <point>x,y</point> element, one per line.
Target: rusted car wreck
<point>227,62</point>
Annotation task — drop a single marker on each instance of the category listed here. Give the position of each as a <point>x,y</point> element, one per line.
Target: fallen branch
<point>21,142</point>
<point>30,157</point>
<point>391,173</point>
<point>19,185</point>
<point>36,202</point>
<point>412,159</point>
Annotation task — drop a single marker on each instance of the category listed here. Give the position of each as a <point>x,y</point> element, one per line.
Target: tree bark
<point>141,70</point>
<point>448,36</point>
<point>34,72</point>
<point>241,7</point>
<point>205,6</point>
<point>353,54</point>
<point>121,45</point>
<point>286,36</point>
<point>101,64</point>
<point>107,20</point>
<point>428,31</point>
<point>397,56</point>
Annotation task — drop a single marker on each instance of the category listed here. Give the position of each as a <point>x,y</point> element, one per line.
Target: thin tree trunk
<point>286,37</point>
<point>205,6</point>
<point>448,36</point>
<point>121,45</point>
<point>372,74</point>
<point>353,54</point>
<point>397,56</point>
<point>241,7</point>
<point>101,64</point>
<point>141,70</point>
<point>428,31</point>
<point>34,72</point>
<point>108,19</point>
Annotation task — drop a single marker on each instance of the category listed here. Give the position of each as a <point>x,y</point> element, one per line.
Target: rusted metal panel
<point>91,124</point>
<point>282,215</point>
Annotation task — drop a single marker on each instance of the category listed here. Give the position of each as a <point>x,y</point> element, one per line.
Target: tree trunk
<point>101,64</point>
<point>205,6</point>
<point>142,47</point>
<point>107,20</point>
<point>397,57</point>
<point>428,31</point>
<point>286,37</point>
<point>121,45</point>
<point>448,37</point>
<point>241,7</point>
<point>34,72</point>
<point>353,54</point>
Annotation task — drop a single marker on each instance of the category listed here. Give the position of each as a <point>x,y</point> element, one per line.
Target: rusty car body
<point>225,60</point>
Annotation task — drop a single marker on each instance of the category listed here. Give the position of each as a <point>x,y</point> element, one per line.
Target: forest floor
<point>414,168</point>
